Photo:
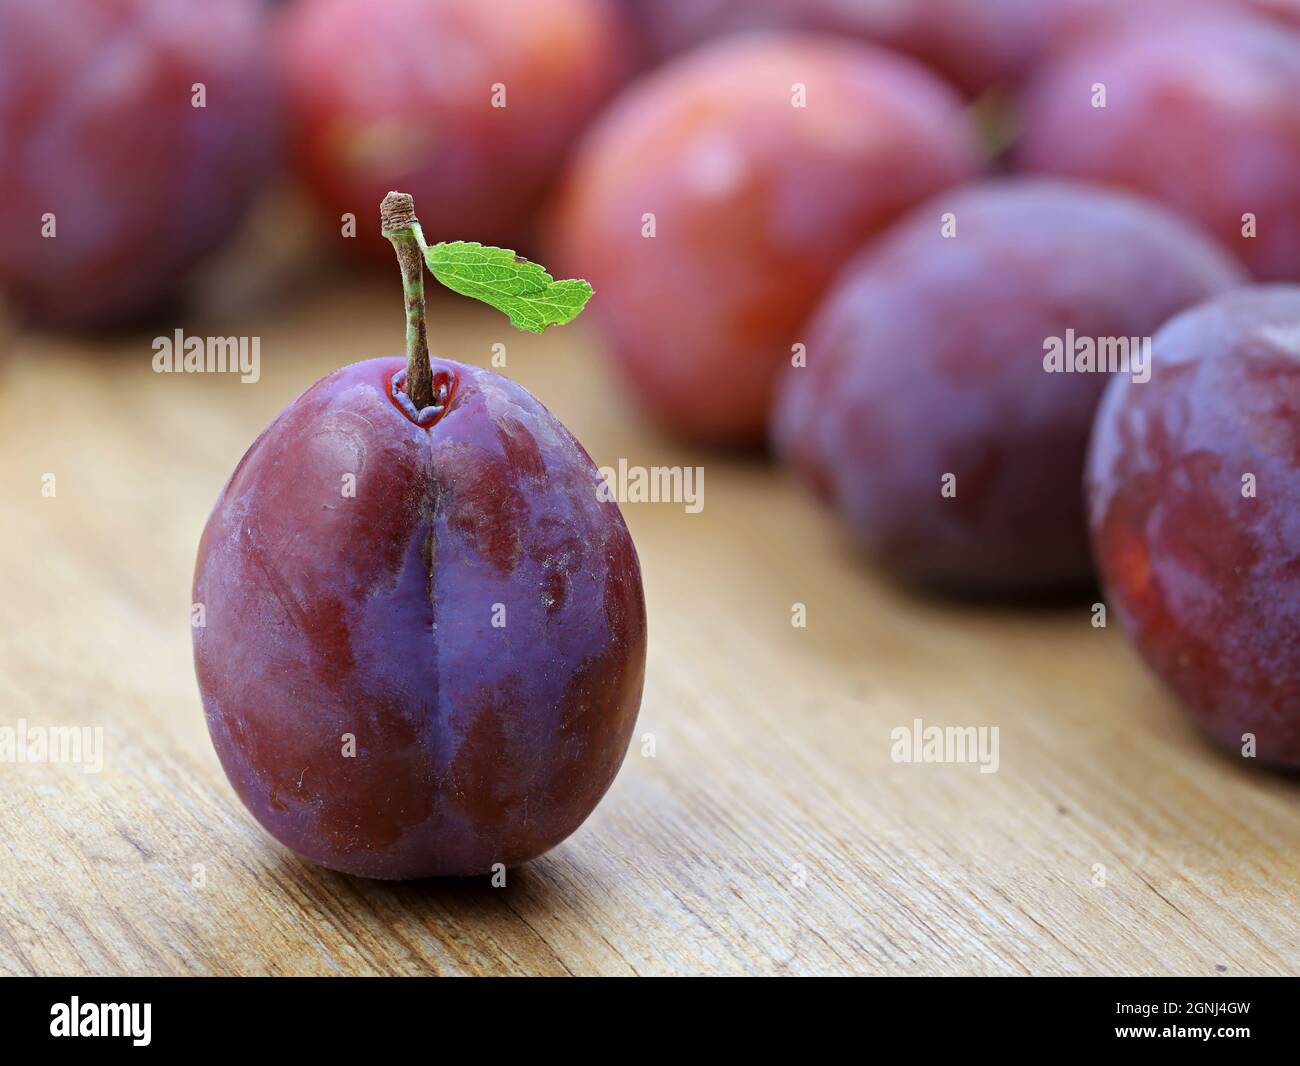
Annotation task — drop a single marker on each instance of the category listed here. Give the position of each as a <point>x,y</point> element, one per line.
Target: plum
<point>1192,483</point>
<point>439,584</point>
<point>711,211</point>
<point>929,359</point>
<point>108,167</point>
<point>1202,113</point>
<point>404,92</point>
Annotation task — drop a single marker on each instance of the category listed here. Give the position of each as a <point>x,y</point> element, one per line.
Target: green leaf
<point>523,290</point>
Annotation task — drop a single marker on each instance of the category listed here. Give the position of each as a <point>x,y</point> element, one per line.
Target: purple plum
<point>927,414</point>
<point>453,596</point>
<point>134,136</point>
<point>1193,479</point>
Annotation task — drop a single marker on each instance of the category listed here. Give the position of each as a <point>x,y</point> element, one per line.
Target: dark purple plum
<point>1193,489</point>
<point>98,129</point>
<point>380,615</point>
<point>927,359</point>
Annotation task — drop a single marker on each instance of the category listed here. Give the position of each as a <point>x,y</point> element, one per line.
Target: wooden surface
<point>770,833</point>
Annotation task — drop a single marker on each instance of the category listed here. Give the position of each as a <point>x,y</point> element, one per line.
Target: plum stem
<point>402,228</point>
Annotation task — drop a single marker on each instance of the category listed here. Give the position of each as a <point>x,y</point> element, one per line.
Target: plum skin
<point>926,359</point>
<point>373,616</point>
<point>755,203</point>
<point>1205,580</point>
<point>97,127</point>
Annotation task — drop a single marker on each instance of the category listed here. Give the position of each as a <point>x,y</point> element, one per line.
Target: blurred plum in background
<point>713,203</point>
<point>1202,112</point>
<point>927,360</point>
<point>109,166</point>
<point>1193,480</point>
<point>471,106</point>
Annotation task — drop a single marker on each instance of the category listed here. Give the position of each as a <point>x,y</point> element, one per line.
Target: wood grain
<point>770,832</point>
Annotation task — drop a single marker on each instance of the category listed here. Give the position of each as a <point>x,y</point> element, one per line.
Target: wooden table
<point>770,833</point>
